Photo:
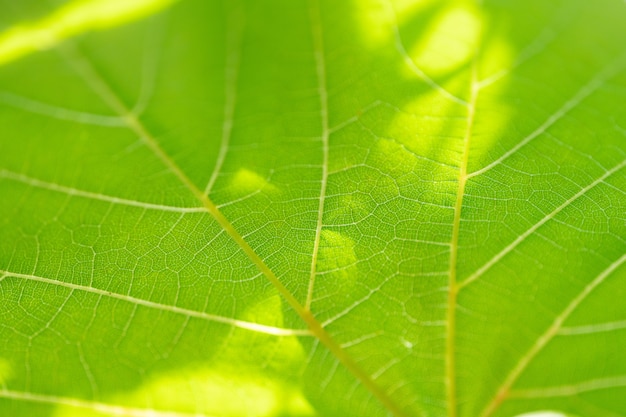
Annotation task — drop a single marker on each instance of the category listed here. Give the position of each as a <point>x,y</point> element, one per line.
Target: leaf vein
<point>450,362</point>
<point>413,66</point>
<point>587,90</point>
<point>34,182</point>
<point>58,112</point>
<point>496,258</point>
<point>233,62</point>
<point>318,40</point>
<point>504,390</point>
<point>95,81</point>
<point>570,390</point>
<point>242,324</point>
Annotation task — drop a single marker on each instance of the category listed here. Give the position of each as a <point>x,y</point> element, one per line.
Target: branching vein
<point>592,328</point>
<point>504,390</point>
<point>598,81</point>
<point>570,390</point>
<point>34,182</point>
<point>255,327</point>
<point>495,259</point>
<point>411,63</point>
<point>233,60</point>
<point>57,112</point>
<point>95,81</point>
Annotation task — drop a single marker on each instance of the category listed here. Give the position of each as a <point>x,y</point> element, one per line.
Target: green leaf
<point>298,208</point>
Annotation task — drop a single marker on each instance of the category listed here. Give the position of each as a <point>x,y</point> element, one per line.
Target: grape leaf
<point>298,208</point>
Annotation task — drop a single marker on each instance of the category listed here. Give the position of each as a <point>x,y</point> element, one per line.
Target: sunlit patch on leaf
<point>70,20</point>
<point>545,414</point>
<point>203,391</point>
<point>332,208</point>
<point>5,371</point>
<point>246,182</point>
<point>450,42</point>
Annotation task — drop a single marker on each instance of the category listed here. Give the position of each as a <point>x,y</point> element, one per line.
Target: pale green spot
<point>246,181</point>
<point>6,371</point>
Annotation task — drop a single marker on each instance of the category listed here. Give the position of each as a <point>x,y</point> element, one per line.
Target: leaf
<point>296,208</point>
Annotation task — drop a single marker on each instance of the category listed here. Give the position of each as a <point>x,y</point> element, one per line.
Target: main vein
<point>454,247</point>
<point>323,93</point>
<point>95,81</point>
<point>85,69</point>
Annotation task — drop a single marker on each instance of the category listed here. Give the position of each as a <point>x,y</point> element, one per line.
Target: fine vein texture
<point>312,208</point>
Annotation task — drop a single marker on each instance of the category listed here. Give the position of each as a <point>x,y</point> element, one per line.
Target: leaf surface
<point>297,208</point>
